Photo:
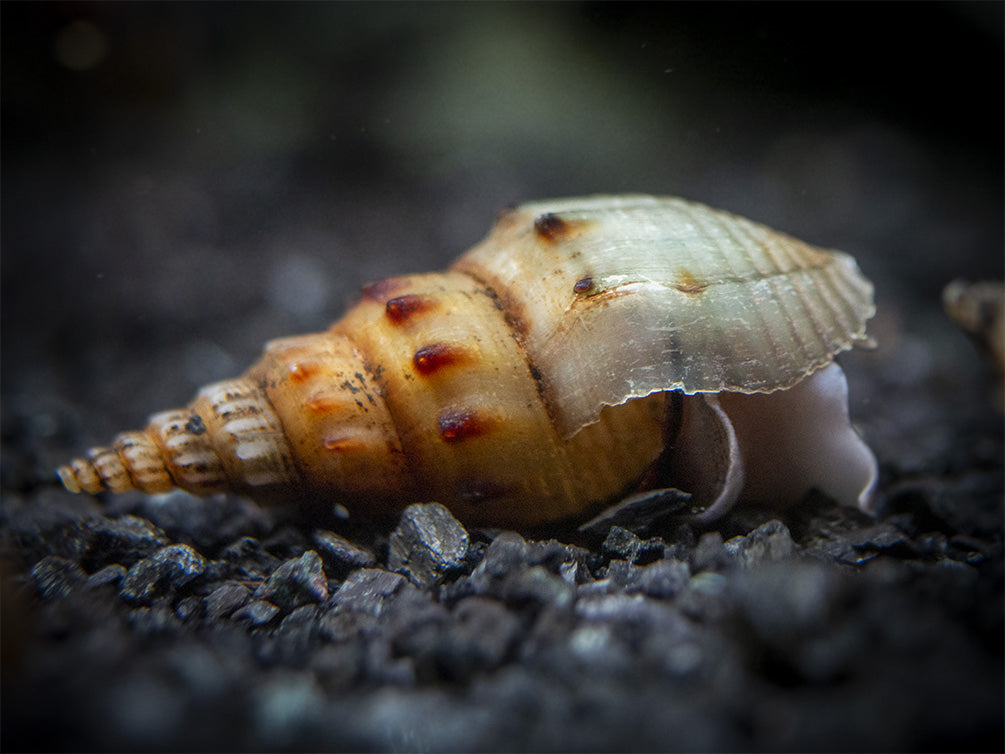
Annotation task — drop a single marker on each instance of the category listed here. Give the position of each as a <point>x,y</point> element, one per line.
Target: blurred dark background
<point>183,181</point>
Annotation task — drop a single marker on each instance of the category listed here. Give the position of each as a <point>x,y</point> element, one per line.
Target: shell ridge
<point>505,306</point>
<point>798,269</point>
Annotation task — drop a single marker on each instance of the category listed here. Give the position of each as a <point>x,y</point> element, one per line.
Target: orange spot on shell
<point>301,371</point>
<point>456,425</point>
<point>325,405</point>
<point>342,444</point>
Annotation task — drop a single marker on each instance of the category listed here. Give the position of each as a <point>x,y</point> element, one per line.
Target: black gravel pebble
<point>225,599</point>
<point>428,543</point>
<point>112,574</point>
<point>341,556</point>
<point>256,613</point>
<point>55,577</point>
<point>295,583</point>
<point>164,572</point>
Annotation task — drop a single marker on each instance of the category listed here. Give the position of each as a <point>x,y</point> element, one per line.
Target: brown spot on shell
<point>583,285</point>
<point>554,228</point>
<point>435,356</point>
<point>550,226</point>
<point>688,283</point>
<point>401,308</point>
<point>381,290</point>
<point>301,371</point>
<point>456,424</point>
<point>337,444</point>
<point>323,405</point>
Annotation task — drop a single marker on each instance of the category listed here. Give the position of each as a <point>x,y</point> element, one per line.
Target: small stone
<point>294,636</point>
<point>479,638</point>
<point>769,542</point>
<point>966,549</point>
<point>880,537</point>
<point>428,543</point>
<point>663,579</point>
<point>933,543</point>
<point>225,599</point>
<point>56,577</point>
<point>506,553</point>
<point>638,513</point>
<point>125,540</point>
<point>367,590</point>
<point>538,585</point>
<point>617,572</point>
<point>249,559</point>
<point>189,607</point>
<point>568,561</point>
<point>340,555</point>
<point>256,613</point>
<point>168,569</point>
<point>621,544</point>
<point>710,553</point>
<point>785,601</point>
<point>112,574</point>
<point>296,582</point>
<point>680,541</point>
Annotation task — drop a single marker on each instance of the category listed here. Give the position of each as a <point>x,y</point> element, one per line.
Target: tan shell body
<point>526,384</point>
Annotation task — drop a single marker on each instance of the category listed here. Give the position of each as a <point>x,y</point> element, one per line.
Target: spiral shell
<point>585,349</point>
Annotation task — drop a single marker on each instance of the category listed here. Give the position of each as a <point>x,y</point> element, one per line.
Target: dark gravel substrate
<point>221,176</point>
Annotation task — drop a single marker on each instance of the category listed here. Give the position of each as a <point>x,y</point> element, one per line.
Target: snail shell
<point>585,349</point>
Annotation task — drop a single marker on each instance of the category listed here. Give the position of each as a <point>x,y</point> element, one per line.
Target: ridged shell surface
<point>617,297</point>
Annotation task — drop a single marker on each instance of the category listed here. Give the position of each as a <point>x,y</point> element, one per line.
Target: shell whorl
<point>228,438</point>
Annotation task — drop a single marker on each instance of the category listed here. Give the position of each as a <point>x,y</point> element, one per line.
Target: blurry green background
<point>182,182</point>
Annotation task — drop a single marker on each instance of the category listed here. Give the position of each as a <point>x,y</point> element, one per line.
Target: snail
<point>587,349</point>
<point>979,310</point>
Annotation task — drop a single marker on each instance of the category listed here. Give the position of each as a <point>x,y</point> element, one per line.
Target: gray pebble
<point>367,590</point>
<point>340,555</point>
<point>710,553</point>
<point>296,582</point>
<point>126,540</point>
<point>427,544</point>
<point>56,577</point>
<point>538,585</point>
<point>167,570</point>
<point>507,553</point>
<point>189,607</point>
<point>480,637</point>
<point>112,574</point>
<point>769,542</point>
<point>256,613</point>
<point>248,558</point>
<point>663,579</point>
<point>225,599</point>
